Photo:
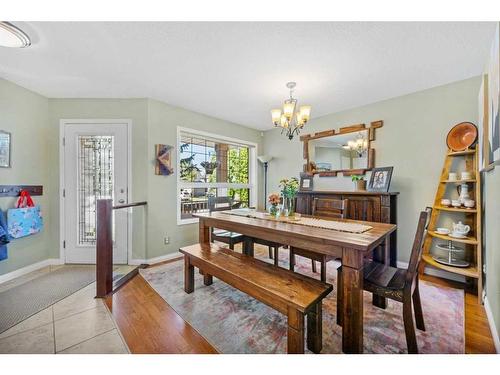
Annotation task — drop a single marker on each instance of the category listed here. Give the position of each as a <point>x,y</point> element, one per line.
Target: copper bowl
<point>462,136</point>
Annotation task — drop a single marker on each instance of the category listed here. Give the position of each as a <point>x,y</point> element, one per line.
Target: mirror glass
<point>340,152</point>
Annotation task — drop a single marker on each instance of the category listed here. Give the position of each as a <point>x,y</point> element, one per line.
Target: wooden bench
<point>287,292</point>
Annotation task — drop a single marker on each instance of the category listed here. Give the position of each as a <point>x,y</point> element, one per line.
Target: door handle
<point>121,201</point>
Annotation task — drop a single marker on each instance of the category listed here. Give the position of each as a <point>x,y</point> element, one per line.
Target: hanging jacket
<point>4,237</point>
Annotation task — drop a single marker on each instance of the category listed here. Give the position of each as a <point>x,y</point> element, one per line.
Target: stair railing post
<point>104,247</point>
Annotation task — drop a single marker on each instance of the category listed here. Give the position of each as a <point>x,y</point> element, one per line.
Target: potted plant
<point>289,189</point>
<point>359,182</point>
<point>209,166</point>
<point>274,201</point>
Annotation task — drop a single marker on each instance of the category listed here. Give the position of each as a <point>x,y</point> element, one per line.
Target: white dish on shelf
<point>457,235</point>
<point>442,231</point>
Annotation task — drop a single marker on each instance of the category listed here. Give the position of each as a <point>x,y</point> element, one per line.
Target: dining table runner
<point>340,226</point>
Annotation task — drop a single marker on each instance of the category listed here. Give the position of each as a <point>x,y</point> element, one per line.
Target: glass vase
<point>274,211</point>
<point>288,206</point>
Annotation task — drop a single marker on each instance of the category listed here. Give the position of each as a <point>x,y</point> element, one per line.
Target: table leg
<point>382,255</point>
<point>204,232</point>
<point>352,288</point>
<point>188,275</point>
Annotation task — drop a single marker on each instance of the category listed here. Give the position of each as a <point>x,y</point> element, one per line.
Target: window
<point>209,164</point>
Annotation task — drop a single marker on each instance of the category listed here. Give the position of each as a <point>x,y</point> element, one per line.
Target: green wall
<point>162,215</point>
<point>491,203</point>
<point>24,114</point>
<point>412,140</point>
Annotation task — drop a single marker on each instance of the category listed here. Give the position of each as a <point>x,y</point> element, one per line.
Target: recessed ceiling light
<point>11,36</point>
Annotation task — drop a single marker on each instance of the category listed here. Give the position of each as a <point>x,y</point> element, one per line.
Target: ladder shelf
<point>470,245</point>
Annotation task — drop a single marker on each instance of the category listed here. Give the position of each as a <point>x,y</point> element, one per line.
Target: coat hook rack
<point>14,190</point>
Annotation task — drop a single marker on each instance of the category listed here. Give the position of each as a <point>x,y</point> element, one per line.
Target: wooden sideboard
<point>361,205</point>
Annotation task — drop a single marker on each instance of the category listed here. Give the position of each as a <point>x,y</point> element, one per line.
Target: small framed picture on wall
<point>380,179</point>
<point>306,182</point>
<point>5,140</point>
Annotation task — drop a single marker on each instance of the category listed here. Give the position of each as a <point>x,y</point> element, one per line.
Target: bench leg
<point>295,331</point>
<point>188,275</point>
<point>315,329</point>
<point>208,279</point>
<point>276,255</point>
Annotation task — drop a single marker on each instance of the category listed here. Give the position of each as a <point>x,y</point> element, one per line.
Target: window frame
<point>252,170</point>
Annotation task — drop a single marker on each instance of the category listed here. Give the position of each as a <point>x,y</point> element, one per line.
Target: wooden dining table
<point>351,248</point>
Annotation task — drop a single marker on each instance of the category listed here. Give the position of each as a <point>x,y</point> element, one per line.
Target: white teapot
<point>460,228</point>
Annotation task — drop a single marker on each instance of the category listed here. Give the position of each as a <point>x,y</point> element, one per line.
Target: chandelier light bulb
<point>276,116</point>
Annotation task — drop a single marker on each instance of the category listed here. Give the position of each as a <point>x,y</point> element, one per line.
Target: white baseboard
<point>491,321</point>
<point>162,258</point>
<point>32,267</point>
<point>436,272</point>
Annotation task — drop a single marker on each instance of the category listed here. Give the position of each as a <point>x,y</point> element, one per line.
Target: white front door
<point>95,167</point>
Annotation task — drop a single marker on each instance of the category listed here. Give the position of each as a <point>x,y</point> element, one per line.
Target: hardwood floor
<point>150,325</point>
<point>478,339</point>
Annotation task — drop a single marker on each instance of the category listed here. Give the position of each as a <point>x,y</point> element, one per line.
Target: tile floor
<point>78,324</point>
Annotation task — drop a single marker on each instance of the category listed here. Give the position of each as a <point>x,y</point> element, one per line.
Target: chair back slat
<point>219,203</point>
<point>418,242</point>
<point>333,208</point>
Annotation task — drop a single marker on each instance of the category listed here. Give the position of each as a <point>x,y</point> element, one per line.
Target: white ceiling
<point>238,71</point>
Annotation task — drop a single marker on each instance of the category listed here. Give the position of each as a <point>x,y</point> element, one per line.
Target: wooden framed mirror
<point>347,150</point>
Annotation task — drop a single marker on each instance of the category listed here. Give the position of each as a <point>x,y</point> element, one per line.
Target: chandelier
<point>359,145</point>
<point>291,119</point>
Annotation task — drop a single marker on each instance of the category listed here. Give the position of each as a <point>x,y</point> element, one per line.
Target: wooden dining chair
<point>397,284</point>
<point>324,207</point>
<point>222,235</point>
<point>233,238</point>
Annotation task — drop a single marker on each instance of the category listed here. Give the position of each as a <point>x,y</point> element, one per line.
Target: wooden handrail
<point>104,244</point>
<point>120,206</point>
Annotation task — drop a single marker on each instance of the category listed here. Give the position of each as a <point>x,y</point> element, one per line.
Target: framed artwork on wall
<point>306,182</point>
<point>380,179</point>
<point>5,142</point>
<point>163,160</point>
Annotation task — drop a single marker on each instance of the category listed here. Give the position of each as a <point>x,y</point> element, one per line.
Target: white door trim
<point>62,124</point>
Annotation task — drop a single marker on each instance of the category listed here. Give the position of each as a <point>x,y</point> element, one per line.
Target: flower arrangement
<point>289,187</point>
<point>274,201</point>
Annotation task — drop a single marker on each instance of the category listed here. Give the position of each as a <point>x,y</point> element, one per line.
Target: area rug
<point>20,302</point>
<point>233,322</point>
